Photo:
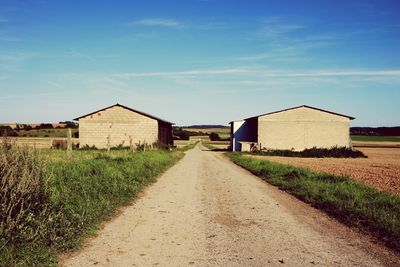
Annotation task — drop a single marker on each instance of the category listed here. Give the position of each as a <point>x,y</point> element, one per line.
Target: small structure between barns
<point>120,125</point>
<point>296,128</point>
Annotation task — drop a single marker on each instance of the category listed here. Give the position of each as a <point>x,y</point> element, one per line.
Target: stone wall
<point>303,128</point>
<point>118,123</point>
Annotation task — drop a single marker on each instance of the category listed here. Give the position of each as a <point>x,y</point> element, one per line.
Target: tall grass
<point>48,206</point>
<point>350,202</point>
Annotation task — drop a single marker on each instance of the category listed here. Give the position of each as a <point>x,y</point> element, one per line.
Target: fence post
<point>69,144</point>
<point>131,143</point>
<point>109,143</point>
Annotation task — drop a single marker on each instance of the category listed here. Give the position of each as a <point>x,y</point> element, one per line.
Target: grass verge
<point>212,147</point>
<point>189,146</point>
<point>49,205</point>
<point>352,203</point>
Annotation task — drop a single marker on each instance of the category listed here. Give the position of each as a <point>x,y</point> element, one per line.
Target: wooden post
<point>131,143</point>
<point>69,144</point>
<point>108,143</point>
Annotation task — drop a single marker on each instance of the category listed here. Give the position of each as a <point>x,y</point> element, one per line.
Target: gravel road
<point>206,211</point>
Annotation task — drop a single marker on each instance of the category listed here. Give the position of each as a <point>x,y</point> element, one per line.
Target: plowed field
<point>380,170</point>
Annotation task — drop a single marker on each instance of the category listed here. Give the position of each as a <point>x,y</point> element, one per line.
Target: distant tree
<point>7,131</point>
<point>214,137</point>
<point>69,124</point>
<point>46,126</point>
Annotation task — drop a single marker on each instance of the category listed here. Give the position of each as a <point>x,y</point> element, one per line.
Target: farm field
<point>367,138</point>
<point>37,142</point>
<point>380,170</point>
<point>209,130</point>
<point>222,132</point>
<point>57,132</point>
<point>375,141</point>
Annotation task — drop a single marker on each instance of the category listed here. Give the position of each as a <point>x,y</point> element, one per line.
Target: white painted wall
<point>238,133</point>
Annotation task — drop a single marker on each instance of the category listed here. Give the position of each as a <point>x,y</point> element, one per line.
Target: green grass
<point>188,147</point>
<point>352,203</point>
<point>65,201</point>
<point>209,146</point>
<point>224,135</point>
<point>367,138</point>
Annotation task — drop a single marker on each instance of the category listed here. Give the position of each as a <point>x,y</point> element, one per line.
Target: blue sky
<point>199,61</point>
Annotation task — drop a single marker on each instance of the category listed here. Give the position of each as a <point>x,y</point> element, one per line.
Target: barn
<point>121,125</point>
<point>294,128</point>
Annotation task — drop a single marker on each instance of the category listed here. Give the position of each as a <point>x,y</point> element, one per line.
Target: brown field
<point>380,170</point>
<point>359,144</point>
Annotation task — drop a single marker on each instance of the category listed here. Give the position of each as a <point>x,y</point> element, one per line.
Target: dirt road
<point>206,211</point>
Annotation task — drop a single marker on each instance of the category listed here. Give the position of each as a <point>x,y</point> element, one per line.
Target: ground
<point>380,170</point>
<point>206,211</point>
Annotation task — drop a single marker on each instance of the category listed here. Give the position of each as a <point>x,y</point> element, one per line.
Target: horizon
<point>199,61</point>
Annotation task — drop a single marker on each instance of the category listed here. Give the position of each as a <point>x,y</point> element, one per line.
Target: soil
<point>206,211</point>
<point>380,170</point>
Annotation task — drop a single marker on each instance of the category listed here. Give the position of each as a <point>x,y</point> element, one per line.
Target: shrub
<point>59,144</point>
<point>7,131</point>
<point>45,126</point>
<point>334,152</point>
<point>214,137</point>
<point>87,147</point>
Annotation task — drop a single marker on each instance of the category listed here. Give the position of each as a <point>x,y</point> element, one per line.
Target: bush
<point>334,152</point>
<point>185,135</point>
<point>7,131</point>
<point>214,137</point>
<point>59,144</point>
<point>45,126</point>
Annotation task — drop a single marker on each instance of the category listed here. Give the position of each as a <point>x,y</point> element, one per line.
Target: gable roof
<point>302,106</point>
<point>125,107</point>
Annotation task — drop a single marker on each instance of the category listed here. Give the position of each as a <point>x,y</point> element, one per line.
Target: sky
<point>199,61</point>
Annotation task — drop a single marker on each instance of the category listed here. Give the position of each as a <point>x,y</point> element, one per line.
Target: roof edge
<point>302,106</point>
<point>125,107</point>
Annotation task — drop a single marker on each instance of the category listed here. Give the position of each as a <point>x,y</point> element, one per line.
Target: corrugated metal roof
<point>125,107</point>
<point>302,106</point>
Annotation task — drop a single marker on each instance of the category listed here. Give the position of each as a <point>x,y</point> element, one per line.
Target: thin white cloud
<point>275,27</point>
<point>12,60</point>
<point>260,73</point>
<point>158,22</point>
